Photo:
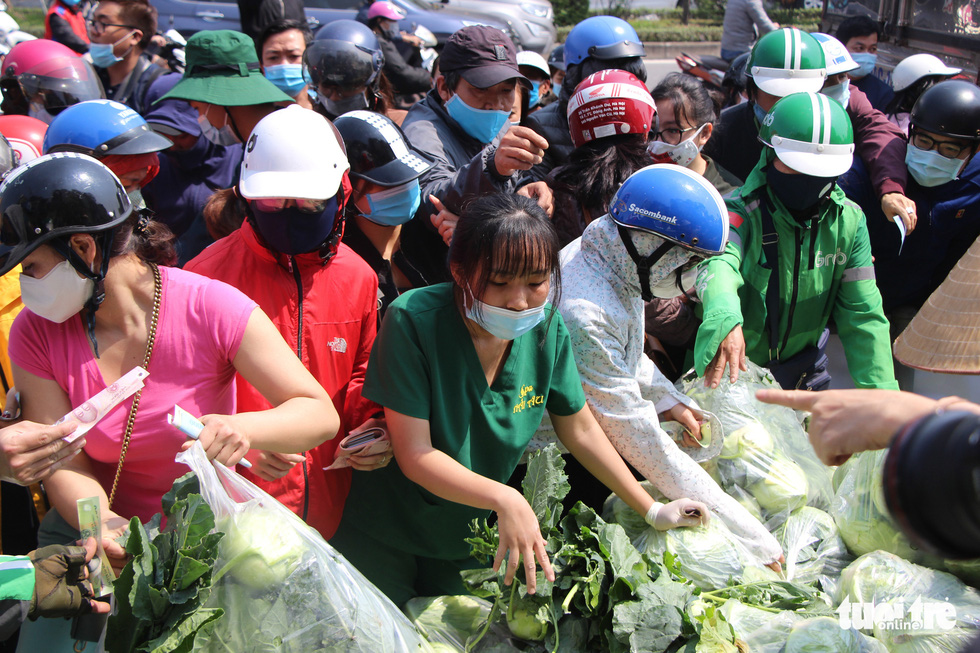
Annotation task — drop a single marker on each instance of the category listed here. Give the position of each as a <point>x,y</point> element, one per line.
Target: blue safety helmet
<point>676,204</point>
<point>101,128</point>
<point>602,37</point>
<point>346,54</point>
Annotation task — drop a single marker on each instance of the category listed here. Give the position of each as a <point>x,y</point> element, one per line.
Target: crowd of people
<point>302,236</point>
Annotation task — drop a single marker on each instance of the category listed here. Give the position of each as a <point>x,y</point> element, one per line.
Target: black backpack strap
<point>770,247</point>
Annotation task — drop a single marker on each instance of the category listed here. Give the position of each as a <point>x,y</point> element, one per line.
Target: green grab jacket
<point>825,272</point>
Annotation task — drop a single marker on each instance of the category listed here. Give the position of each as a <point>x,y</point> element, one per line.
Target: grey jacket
<point>742,17</point>
<point>463,170</point>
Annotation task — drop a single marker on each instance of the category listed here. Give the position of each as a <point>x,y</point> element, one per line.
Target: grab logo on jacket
<point>824,260</point>
<point>338,345</point>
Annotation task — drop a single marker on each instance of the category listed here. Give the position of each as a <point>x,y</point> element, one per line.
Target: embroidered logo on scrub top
<point>528,399</point>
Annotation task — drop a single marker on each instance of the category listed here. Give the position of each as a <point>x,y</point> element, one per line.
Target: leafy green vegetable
<point>162,591</point>
<point>448,620</point>
<point>783,489</point>
<point>606,595</point>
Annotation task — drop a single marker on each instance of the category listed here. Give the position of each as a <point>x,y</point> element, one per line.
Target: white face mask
<point>223,135</point>
<point>57,295</point>
<point>503,322</point>
<point>668,287</point>
<point>683,154</point>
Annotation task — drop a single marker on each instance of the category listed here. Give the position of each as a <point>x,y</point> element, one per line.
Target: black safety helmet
<point>346,54</point>
<point>54,196</point>
<point>378,150</point>
<point>950,108</point>
<point>735,75</point>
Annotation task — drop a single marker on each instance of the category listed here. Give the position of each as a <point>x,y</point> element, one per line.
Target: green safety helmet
<point>785,61</point>
<point>810,133</point>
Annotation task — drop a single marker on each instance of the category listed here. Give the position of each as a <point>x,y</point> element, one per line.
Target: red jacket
<point>75,20</point>
<point>328,314</point>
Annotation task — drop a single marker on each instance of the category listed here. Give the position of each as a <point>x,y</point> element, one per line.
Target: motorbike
<point>10,32</point>
<point>721,78</point>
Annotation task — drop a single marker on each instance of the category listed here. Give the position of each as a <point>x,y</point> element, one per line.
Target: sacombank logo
<point>656,215</point>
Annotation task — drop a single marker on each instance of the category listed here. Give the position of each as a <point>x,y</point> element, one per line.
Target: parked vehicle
<point>945,28</point>
<point>531,20</point>
<point>191,16</point>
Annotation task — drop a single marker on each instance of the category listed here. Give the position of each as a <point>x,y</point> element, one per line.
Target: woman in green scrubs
<point>465,371</point>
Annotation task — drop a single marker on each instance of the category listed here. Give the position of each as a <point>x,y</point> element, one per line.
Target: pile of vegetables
<point>607,594</point>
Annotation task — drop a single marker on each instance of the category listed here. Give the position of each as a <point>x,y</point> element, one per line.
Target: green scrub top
<point>424,365</point>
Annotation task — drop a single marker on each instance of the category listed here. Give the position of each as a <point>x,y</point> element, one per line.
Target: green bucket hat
<point>223,69</point>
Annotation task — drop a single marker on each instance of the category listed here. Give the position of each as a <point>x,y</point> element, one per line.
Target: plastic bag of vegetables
<point>862,516</point>
<point>766,453</point>
<point>282,587</point>
<point>910,608</point>
<point>709,555</point>
<point>813,548</point>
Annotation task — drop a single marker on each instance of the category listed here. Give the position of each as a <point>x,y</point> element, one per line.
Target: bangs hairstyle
<point>506,234</point>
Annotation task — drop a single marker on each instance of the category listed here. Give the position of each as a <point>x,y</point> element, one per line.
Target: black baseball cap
<point>482,55</point>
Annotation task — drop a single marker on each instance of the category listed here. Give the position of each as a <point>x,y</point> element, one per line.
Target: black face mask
<point>799,193</point>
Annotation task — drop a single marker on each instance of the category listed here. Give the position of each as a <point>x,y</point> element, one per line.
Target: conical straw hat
<point>944,336</point>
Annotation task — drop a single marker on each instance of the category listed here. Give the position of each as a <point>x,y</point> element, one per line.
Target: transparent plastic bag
<point>908,607</point>
<point>449,622</point>
<point>766,453</point>
<point>283,588</point>
<point>812,546</point>
<point>762,630</point>
<point>861,514</point>
<point>709,555</point>
<point>825,635</point>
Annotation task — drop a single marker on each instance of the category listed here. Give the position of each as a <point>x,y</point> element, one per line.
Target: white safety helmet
<point>293,153</point>
<point>534,60</point>
<point>912,69</point>
<point>838,58</point>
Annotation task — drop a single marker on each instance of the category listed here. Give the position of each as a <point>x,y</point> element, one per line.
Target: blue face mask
<point>394,206</point>
<point>481,124</point>
<point>866,61</point>
<point>292,231</point>
<point>103,54</point>
<point>760,113</point>
<point>287,77</point>
<point>535,96</point>
<point>840,92</point>
<point>505,323</point>
<point>930,168</point>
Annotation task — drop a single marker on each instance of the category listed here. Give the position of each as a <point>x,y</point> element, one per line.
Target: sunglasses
<point>276,204</point>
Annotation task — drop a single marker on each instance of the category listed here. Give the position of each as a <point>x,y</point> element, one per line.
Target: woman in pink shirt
<point>99,302</point>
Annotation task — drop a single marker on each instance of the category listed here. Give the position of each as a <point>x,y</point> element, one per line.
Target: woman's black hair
<point>150,240</point>
<point>904,100</point>
<point>597,169</point>
<point>691,100</point>
<point>507,234</point>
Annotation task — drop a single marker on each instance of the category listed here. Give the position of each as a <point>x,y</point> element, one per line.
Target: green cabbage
<point>260,552</point>
<point>448,621</point>
<point>783,489</point>
<point>825,635</point>
<point>812,546</point>
<point>861,515</point>
<point>884,579</point>
<point>752,440</point>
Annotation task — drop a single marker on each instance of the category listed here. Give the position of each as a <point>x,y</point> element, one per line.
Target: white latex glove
<point>676,514</point>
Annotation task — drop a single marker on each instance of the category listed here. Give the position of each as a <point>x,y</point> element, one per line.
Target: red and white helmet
<point>610,103</point>
<point>26,136</point>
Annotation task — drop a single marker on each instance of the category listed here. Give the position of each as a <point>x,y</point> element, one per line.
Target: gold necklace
<point>151,337</point>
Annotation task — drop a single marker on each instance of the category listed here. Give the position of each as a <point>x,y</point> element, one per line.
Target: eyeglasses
<point>948,149</point>
<point>671,135</point>
<point>98,26</point>
<point>275,204</point>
